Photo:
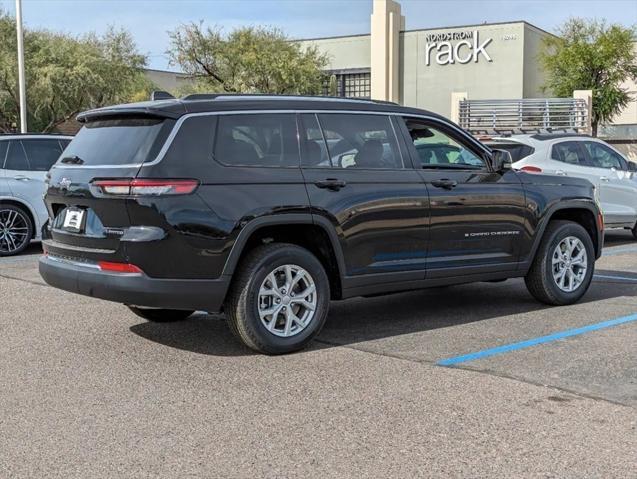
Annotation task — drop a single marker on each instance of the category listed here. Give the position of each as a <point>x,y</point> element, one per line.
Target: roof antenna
<point>161,95</point>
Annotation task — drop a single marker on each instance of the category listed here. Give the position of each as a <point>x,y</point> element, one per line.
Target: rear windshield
<point>517,150</point>
<point>118,141</point>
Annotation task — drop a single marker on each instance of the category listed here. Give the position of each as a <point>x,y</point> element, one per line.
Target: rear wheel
<point>16,230</point>
<point>563,266</point>
<point>279,300</point>
<point>160,315</point>
<point>634,230</point>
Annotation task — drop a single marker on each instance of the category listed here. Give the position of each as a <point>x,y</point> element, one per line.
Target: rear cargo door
<point>85,222</point>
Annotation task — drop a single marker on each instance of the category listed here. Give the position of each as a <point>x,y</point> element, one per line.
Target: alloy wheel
<point>14,230</point>
<point>569,264</point>
<point>287,300</point>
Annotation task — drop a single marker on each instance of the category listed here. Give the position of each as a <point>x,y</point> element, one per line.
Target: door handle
<point>561,173</point>
<point>21,178</point>
<point>331,184</point>
<point>604,179</point>
<point>444,183</point>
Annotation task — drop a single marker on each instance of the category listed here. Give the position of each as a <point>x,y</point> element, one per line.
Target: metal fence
<point>528,114</point>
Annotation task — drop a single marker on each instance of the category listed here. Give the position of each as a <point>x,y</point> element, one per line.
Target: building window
<point>351,84</point>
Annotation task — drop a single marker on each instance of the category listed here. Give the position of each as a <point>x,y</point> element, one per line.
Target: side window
<point>41,153</point>
<point>603,157</point>
<point>436,148</point>
<point>568,152</point>
<point>257,140</point>
<point>16,159</point>
<point>359,141</point>
<point>64,144</point>
<point>3,152</point>
<point>313,147</point>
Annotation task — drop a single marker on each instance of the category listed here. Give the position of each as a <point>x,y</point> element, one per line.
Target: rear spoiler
<point>158,109</point>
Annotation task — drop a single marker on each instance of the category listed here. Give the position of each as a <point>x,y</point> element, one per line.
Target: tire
<point>540,280</point>
<point>160,315</point>
<point>16,229</point>
<point>252,292</point>
<point>634,230</point>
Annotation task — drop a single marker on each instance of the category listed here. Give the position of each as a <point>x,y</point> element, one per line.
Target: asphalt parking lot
<point>407,385</point>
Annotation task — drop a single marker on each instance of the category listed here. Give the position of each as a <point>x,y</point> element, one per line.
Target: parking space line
<point>535,341</point>
<point>621,278</point>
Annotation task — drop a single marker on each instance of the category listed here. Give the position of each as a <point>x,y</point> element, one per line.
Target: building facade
<point>435,68</point>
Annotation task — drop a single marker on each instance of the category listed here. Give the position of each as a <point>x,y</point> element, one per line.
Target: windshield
<point>117,141</point>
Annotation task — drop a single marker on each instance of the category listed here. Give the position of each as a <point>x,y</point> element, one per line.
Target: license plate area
<point>73,220</point>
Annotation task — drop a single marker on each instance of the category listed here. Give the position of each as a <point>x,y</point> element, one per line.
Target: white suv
<point>584,157</point>
<point>24,163</point>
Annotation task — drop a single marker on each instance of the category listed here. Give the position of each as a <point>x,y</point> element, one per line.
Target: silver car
<point>581,156</point>
<point>24,163</point>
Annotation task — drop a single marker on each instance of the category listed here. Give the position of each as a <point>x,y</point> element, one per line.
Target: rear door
<point>477,215</point>
<point>26,166</point>
<point>360,179</point>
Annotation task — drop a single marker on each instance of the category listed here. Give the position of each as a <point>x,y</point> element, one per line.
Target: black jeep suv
<point>269,207</point>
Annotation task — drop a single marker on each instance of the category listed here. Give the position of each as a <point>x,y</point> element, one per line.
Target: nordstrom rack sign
<point>455,47</point>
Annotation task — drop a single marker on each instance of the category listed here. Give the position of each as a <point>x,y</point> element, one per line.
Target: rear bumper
<point>134,289</point>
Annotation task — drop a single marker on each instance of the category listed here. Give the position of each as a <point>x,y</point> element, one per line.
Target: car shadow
<point>359,320</point>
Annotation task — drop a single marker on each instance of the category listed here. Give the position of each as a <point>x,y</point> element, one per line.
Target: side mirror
<point>632,167</point>
<point>501,161</point>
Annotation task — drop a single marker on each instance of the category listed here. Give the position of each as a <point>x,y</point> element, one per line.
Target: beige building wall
<point>629,115</point>
<point>344,52</point>
<point>167,81</point>
<point>534,76</point>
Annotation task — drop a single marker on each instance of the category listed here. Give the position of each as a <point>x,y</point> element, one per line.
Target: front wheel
<point>279,299</point>
<point>634,230</point>
<point>562,269</point>
<point>157,315</point>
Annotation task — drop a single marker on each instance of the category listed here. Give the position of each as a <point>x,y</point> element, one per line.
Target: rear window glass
<point>119,141</point>
<point>16,158</point>
<point>257,140</point>
<point>41,153</point>
<point>518,150</point>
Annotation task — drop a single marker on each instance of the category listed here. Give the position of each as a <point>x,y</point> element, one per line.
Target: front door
<point>360,180</point>
<point>477,214</point>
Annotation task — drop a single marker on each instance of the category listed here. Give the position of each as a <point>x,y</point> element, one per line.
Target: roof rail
<point>268,96</point>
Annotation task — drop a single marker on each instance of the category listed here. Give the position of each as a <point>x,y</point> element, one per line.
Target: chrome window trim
<point>182,119</point>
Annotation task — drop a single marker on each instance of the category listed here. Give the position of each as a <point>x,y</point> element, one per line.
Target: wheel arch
<point>581,212</point>
<point>311,232</point>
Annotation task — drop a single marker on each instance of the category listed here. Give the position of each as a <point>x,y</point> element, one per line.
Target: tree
<point>247,60</point>
<point>65,75</point>
<point>591,55</point>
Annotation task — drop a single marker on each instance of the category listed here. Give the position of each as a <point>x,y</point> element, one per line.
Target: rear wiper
<point>75,160</point>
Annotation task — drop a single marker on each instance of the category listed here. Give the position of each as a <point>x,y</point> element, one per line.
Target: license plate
<point>73,219</point>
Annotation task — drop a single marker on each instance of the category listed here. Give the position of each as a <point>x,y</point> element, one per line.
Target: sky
<point>149,21</point>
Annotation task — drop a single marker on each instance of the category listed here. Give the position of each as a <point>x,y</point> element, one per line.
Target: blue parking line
<point>621,278</point>
<point>535,341</point>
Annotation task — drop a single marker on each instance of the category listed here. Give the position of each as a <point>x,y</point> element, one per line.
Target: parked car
<point>583,157</point>
<point>270,207</point>
<point>24,162</point>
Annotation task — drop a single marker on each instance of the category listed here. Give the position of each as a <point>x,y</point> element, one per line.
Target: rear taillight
<point>145,187</point>
<point>531,169</point>
<point>119,267</point>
